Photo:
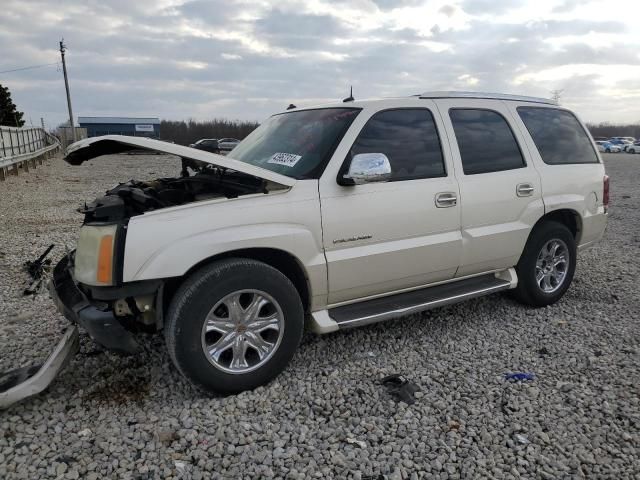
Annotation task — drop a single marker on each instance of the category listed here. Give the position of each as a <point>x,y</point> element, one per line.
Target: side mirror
<point>367,168</point>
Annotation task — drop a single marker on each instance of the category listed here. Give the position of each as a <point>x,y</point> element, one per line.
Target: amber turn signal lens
<point>105,256</point>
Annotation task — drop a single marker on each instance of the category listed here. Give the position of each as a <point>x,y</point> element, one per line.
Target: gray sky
<point>201,59</point>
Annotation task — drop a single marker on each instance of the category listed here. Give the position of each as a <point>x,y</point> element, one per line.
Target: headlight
<point>94,255</point>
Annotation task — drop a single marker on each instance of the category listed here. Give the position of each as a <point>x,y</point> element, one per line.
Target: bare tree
<point>607,130</point>
<point>186,132</point>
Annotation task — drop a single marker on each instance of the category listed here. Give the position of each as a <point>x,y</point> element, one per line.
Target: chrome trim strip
<point>379,317</point>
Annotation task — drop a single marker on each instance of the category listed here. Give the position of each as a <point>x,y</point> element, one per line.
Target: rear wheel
<point>547,265</point>
<point>234,325</point>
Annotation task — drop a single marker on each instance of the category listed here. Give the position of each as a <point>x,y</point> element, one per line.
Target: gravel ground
<point>327,415</point>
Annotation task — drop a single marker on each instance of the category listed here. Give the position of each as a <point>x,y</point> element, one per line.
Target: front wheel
<point>547,265</point>
<point>234,325</point>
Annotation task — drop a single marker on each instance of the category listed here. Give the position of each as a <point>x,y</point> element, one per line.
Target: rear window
<point>558,135</point>
<point>485,140</point>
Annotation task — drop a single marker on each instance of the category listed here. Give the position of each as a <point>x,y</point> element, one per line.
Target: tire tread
<point>189,290</point>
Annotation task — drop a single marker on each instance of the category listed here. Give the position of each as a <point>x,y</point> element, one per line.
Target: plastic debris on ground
<point>520,376</point>
<point>37,270</point>
<point>354,441</point>
<point>400,389</point>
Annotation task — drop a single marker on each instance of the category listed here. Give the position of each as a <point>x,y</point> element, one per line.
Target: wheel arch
<point>567,217</point>
<point>283,261</point>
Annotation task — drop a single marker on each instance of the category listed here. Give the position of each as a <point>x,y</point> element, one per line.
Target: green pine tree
<point>9,115</point>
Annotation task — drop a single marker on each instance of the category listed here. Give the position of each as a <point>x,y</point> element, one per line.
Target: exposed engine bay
<point>198,181</point>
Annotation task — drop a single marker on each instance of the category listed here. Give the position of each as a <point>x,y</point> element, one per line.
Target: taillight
<point>605,193</point>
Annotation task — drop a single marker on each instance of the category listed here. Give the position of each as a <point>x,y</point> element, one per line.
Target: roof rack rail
<point>496,96</point>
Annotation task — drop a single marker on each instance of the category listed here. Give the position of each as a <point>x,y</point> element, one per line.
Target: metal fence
<point>65,135</point>
<point>20,147</point>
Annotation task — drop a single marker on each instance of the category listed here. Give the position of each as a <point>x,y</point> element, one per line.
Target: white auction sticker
<point>287,159</point>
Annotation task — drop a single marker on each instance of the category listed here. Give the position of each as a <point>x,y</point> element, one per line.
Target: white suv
<point>334,216</point>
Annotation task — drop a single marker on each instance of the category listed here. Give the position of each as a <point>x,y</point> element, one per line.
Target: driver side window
<point>409,138</point>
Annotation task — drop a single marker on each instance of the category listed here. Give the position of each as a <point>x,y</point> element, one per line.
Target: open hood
<point>89,148</point>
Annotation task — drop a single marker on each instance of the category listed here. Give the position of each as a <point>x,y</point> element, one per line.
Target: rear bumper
<point>95,317</point>
<point>593,228</point>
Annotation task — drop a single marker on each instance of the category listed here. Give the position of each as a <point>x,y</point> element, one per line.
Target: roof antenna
<point>291,106</point>
<point>350,97</point>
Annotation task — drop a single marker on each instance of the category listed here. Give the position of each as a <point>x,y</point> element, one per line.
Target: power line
<point>30,67</point>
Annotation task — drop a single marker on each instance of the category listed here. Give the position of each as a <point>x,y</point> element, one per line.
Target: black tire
<point>195,299</point>
<point>528,290</point>
<point>608,150</point>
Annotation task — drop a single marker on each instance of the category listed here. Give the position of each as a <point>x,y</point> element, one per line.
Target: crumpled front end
<point>95,316</point>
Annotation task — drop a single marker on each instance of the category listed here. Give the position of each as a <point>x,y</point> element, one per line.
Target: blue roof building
<point>135,127</point>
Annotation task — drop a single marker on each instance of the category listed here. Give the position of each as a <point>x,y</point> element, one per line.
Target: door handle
<point>446,199</point>
<point>524,190</point>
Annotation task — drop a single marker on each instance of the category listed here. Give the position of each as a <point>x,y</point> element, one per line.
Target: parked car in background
<point>634,148</point>
<point>228,144</point>
<point>620,142</point>
<point>207,144</point>
<point>607,147</point>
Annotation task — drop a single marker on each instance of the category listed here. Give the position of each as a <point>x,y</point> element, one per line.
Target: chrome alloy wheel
<point>552,265</point>
<point>242,331</point>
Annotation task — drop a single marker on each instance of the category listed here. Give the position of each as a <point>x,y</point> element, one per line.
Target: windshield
<point>296,144</point>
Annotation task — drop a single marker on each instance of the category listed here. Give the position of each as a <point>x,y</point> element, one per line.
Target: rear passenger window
<point>409,139</point>
<point>558,135</point>
<point>485,140</point>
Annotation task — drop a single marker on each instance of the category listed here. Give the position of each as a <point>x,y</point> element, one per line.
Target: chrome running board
<point>394,306</point>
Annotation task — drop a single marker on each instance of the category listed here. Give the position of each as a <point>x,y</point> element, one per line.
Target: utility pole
<point>66,85</point>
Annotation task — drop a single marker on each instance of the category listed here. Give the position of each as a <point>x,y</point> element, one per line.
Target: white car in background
<point>607,147</point>
<point>622,142</point>
<point>634,148</point>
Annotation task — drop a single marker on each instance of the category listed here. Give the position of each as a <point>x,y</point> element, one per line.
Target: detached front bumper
<point>19,384</point>
<point>95,317</point>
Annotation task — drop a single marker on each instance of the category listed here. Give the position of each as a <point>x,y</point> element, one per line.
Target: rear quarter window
<point>485,141</point>
<point>558,136</point>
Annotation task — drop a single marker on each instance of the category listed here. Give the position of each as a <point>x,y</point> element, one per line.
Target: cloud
<point>391,4</point>
<point>295,31</point>
<point>247,59</point>
<point>490,6</point>
<point>566,6</point>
